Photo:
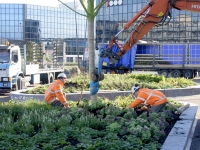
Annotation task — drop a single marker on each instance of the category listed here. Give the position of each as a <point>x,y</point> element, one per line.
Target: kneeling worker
<point>54,94</point>
<point>152,99</point>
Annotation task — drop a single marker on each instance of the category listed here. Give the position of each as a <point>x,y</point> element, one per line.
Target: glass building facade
<point>183,26</point>
<point>43,24</point>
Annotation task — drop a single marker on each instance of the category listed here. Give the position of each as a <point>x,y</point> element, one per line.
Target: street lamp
<point>76,34</point>
<point>19,30</point>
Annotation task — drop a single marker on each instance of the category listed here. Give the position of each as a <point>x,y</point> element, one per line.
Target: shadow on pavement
<point>195,145</point>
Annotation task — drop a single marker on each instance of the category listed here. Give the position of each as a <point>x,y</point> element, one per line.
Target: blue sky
<point>51,3</point>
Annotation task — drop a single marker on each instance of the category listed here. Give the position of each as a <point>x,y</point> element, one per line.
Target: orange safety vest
<point>149,98</point>
<point>55,92</point>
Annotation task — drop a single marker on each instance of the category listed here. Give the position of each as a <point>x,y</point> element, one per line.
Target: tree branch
<point>72,9</point>
<point>99,6</point>
<point>82,3</point>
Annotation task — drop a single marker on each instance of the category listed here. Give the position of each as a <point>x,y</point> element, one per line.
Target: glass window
<point>39,12</point>
<point>120,9</point>
<point>11,29</point>
<point>20,17</point>
<point>101,11</point>
<point>130,16</point>
<point>12,6</point>
<point>3,6</point>
<point>28,11</point>
<point>42,12</point>
<point>3,11</point>
<point>7,29</point>
<point>7,11</point>
<point>7,23</point>
<point>35,7</point>
<point>16,23</point>
<point>35,12</point>
<point>12,11</point>
<point>124,8</point>
<point>3,23</point>
<point>125,17</point>
<point>56,14</point>
<point>14,56</point>
<point>16,6</point>
<point>4,56</point>
<point>111,10</point>
<point>3,16</point>
<point>130,2</point>
<point>12,23</point>
<point>7,17</point>
<point>7,6</point>
<point>20,6</point>
<point>97,2</point>
<point>12,35</point>
<point>139,6</point>
<point>20,11</point>
<point>3,34</point>
<point>16,11</point>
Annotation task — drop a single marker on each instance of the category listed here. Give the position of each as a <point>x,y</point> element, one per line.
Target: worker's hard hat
<point>135,88</point>
<point>62,75</point>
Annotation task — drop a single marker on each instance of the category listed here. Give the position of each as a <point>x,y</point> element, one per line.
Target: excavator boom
<point>154,13</point>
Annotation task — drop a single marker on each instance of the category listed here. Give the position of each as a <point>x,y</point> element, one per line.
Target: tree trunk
<point>91,51</point>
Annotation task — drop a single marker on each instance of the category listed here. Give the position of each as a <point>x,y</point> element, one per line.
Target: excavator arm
<point>154,13</point>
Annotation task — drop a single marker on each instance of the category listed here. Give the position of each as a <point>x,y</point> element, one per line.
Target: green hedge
<point>120,82</point>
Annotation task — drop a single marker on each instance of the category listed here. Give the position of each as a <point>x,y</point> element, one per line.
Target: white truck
<point>16,73</point>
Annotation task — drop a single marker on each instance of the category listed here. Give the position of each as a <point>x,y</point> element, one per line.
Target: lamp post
<point>19,30</point>
<point>77,49</point>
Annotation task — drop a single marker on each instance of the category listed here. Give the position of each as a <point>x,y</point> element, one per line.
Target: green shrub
<point>101,124</point>
<point>120,82</point>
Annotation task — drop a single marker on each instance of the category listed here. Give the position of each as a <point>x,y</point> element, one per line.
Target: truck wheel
<point>176,73</point>
<point>188,74</point>
<point>18,83</point>
<point>164,73</point>
<point>51,78</point>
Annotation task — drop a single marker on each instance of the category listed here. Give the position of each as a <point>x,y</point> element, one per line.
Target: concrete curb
<point>179,137</point>
<point>192,90</point>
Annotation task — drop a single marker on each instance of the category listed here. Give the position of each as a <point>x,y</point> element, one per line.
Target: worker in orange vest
<point>54,94</point>
<point>152,99</point>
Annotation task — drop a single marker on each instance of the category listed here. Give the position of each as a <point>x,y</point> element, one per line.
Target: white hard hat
<point>135,88</point>
<point>62,75</point>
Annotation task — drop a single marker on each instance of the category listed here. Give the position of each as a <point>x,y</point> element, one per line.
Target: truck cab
<point>10,65</point>
<point>16,73</point>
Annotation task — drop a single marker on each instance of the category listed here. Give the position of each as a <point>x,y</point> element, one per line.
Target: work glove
<point>66,110</point>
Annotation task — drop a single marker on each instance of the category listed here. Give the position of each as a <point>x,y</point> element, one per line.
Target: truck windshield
<point>4,56</point>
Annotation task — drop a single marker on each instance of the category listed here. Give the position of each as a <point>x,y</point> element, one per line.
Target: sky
<point>51,3</point>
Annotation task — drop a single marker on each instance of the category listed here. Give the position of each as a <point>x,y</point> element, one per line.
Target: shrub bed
<point>120,82</point>
<point>92,125</point>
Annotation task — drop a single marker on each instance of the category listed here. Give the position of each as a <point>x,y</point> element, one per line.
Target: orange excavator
<point>154,13</point>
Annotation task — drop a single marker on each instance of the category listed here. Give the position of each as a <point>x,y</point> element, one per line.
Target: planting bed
<point>92,125</point>
<point>120,83</point>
